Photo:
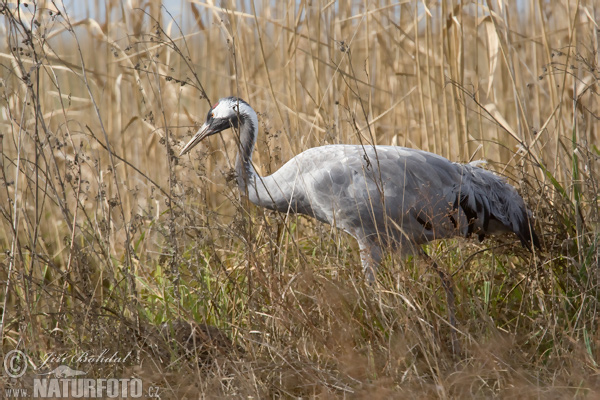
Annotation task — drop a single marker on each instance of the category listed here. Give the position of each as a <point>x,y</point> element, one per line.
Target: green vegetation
<point>107,235</point>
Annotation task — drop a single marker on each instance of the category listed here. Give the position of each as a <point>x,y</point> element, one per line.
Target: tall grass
<point>106,232</point>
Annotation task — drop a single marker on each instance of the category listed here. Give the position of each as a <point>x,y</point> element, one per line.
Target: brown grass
<point>105,232</point>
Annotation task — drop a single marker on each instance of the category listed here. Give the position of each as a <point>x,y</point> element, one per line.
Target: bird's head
<point>229,112</point>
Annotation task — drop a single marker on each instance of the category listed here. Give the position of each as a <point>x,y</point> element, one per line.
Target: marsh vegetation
<point>106,233</point>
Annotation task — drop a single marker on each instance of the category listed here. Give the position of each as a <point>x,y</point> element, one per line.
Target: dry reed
<point>105,231</point>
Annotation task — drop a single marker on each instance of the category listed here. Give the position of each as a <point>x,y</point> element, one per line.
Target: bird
<point>386,197</point>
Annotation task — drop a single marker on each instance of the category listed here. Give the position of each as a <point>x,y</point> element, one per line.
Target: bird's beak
<point>203,132</point>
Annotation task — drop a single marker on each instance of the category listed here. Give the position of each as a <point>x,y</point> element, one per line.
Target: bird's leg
<point>449,289</point>
<point>370,255</point>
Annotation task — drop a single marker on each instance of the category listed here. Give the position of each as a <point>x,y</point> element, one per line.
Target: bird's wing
<point>374,191</point>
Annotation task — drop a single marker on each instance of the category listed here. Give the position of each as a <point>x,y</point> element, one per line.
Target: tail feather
<point>493,206</point>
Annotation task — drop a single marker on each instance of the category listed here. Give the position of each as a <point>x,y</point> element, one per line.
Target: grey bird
<point>386,197</point>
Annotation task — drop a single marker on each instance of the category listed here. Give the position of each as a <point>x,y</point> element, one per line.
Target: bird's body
<point>384,196</point>
<point>389,196</point>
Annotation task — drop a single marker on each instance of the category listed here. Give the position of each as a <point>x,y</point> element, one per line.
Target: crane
<point>386,197</point>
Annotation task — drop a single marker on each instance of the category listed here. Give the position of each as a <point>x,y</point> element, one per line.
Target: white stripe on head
<point>228,108</point>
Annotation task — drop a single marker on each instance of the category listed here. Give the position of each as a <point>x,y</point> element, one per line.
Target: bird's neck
<point>246,174</point>
<point>262,191</point>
